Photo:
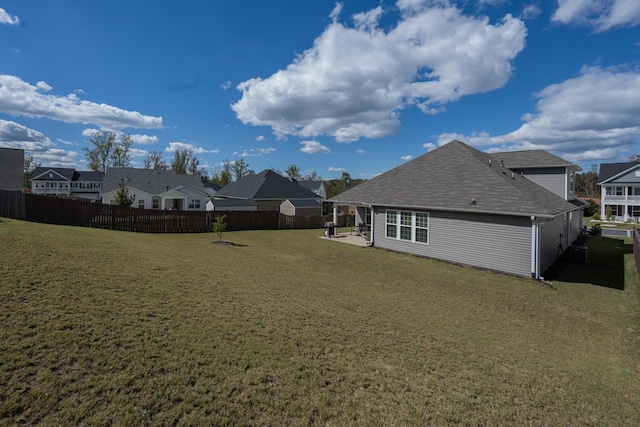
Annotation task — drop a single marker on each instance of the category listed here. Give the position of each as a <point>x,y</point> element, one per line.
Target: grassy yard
<point>113,328</point>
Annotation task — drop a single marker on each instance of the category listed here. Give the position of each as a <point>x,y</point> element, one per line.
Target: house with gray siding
<point>461,205</point>
<point>11,169</point>
<point>548,170</point>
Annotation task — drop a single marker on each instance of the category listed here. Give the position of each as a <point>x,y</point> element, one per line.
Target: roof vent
<point>489,162</point>
<point>513,175</point>
<point>502,163</point>
<point>473,201</point>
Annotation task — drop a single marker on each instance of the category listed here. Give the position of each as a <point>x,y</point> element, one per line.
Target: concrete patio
<point>351,238</point>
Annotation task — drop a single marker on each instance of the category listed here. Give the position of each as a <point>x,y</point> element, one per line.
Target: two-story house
<point>66,182</point>
<point>620,185</point>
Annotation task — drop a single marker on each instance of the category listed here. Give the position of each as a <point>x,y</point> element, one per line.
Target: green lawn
<point>114,328</point>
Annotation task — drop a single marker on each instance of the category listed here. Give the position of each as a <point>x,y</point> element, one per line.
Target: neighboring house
<point>301,207</point>
<point>461,205</point>
<point>11,169</point>
<point>267,188</point>
<point>211,189</point>
<point>66,182</point>
<point>315,186</point>
<point>231,205</point>
<point>156,189</point>
<point>620,185</point>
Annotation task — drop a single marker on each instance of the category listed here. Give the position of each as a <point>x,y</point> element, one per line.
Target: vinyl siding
<point>631,177</point>
<point>494,242</point>
<point>552,244</point>
<point>553,179</point>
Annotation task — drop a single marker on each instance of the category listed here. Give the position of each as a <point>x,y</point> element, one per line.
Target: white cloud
<point>256,152</point>
<point>179,146</point>
<point>261,138</point>
<point>598,14</point>
<point>226,85</point>
<point>405,158</point>
<point>431,146</point>
<point>361,152</point>
<point>355,79</point>
<point>314,147</point>
<point>531,11</point>
<point>33,142</point>
<point>19,98</point>
<point>332,169</point>
<point>144,139</point>
<point>593,116</point>
<point>6,18</point>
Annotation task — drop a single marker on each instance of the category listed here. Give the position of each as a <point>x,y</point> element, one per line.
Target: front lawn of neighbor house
<point>283,328</point>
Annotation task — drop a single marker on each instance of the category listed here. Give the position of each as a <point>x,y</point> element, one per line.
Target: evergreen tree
<point>122,195</point>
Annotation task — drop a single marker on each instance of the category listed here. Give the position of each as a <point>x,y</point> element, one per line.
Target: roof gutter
<point>547,217</point>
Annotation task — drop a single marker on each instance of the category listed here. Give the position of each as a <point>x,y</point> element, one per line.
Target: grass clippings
<point>114,328</point>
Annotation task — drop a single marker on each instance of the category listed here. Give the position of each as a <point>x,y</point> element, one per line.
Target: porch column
<point>335,214</point>
<point>626,203</point>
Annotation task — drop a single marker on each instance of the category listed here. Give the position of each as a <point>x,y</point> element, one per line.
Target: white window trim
<point>413,226</point>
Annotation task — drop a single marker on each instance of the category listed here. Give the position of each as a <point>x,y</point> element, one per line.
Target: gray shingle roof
<point>264,186</point>
<point>609,170</point>
<point>456,177</point>
<point>66,173</point>
<point>532,159</point>
<point>150,181</point>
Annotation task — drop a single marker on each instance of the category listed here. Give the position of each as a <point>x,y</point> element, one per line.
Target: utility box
<point>578,254</point>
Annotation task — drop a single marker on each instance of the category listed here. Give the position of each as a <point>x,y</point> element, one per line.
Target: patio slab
<point>349,238</point>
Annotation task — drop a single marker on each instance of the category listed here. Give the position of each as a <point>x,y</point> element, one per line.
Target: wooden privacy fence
<point>12,204</point>
<point>85,213</point>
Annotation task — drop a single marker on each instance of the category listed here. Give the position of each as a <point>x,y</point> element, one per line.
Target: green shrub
<point>596,217</point>
<point>596,230</point>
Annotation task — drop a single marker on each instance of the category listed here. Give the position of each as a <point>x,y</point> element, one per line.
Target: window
<point>422,227</point>
<point>194,203</point>
<point>405,226</point>
<point>635,211</point>
<point>619,191</point>
<point>155,203</point>
<point>392,221</point>
<point>141,204</point>
<point>410,226</point>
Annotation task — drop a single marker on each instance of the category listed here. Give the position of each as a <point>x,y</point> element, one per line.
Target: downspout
<point>535,248</point>
<point>335,214</point>
<point>372,225</point>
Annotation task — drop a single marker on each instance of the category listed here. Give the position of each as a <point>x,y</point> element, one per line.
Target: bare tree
<point>121,154</point>
<point>154,160</point>
<point>99,156</point>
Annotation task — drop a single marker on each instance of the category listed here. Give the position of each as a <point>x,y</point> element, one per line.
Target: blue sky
<point>355,86</point>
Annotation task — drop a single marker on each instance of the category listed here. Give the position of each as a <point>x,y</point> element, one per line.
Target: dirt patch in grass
<point>102,327</point>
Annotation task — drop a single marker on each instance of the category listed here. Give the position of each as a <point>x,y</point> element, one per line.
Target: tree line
<point>109,151</point>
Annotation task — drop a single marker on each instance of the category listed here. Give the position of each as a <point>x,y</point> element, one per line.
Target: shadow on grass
<point>604,267</point>
<point>225,242</point>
